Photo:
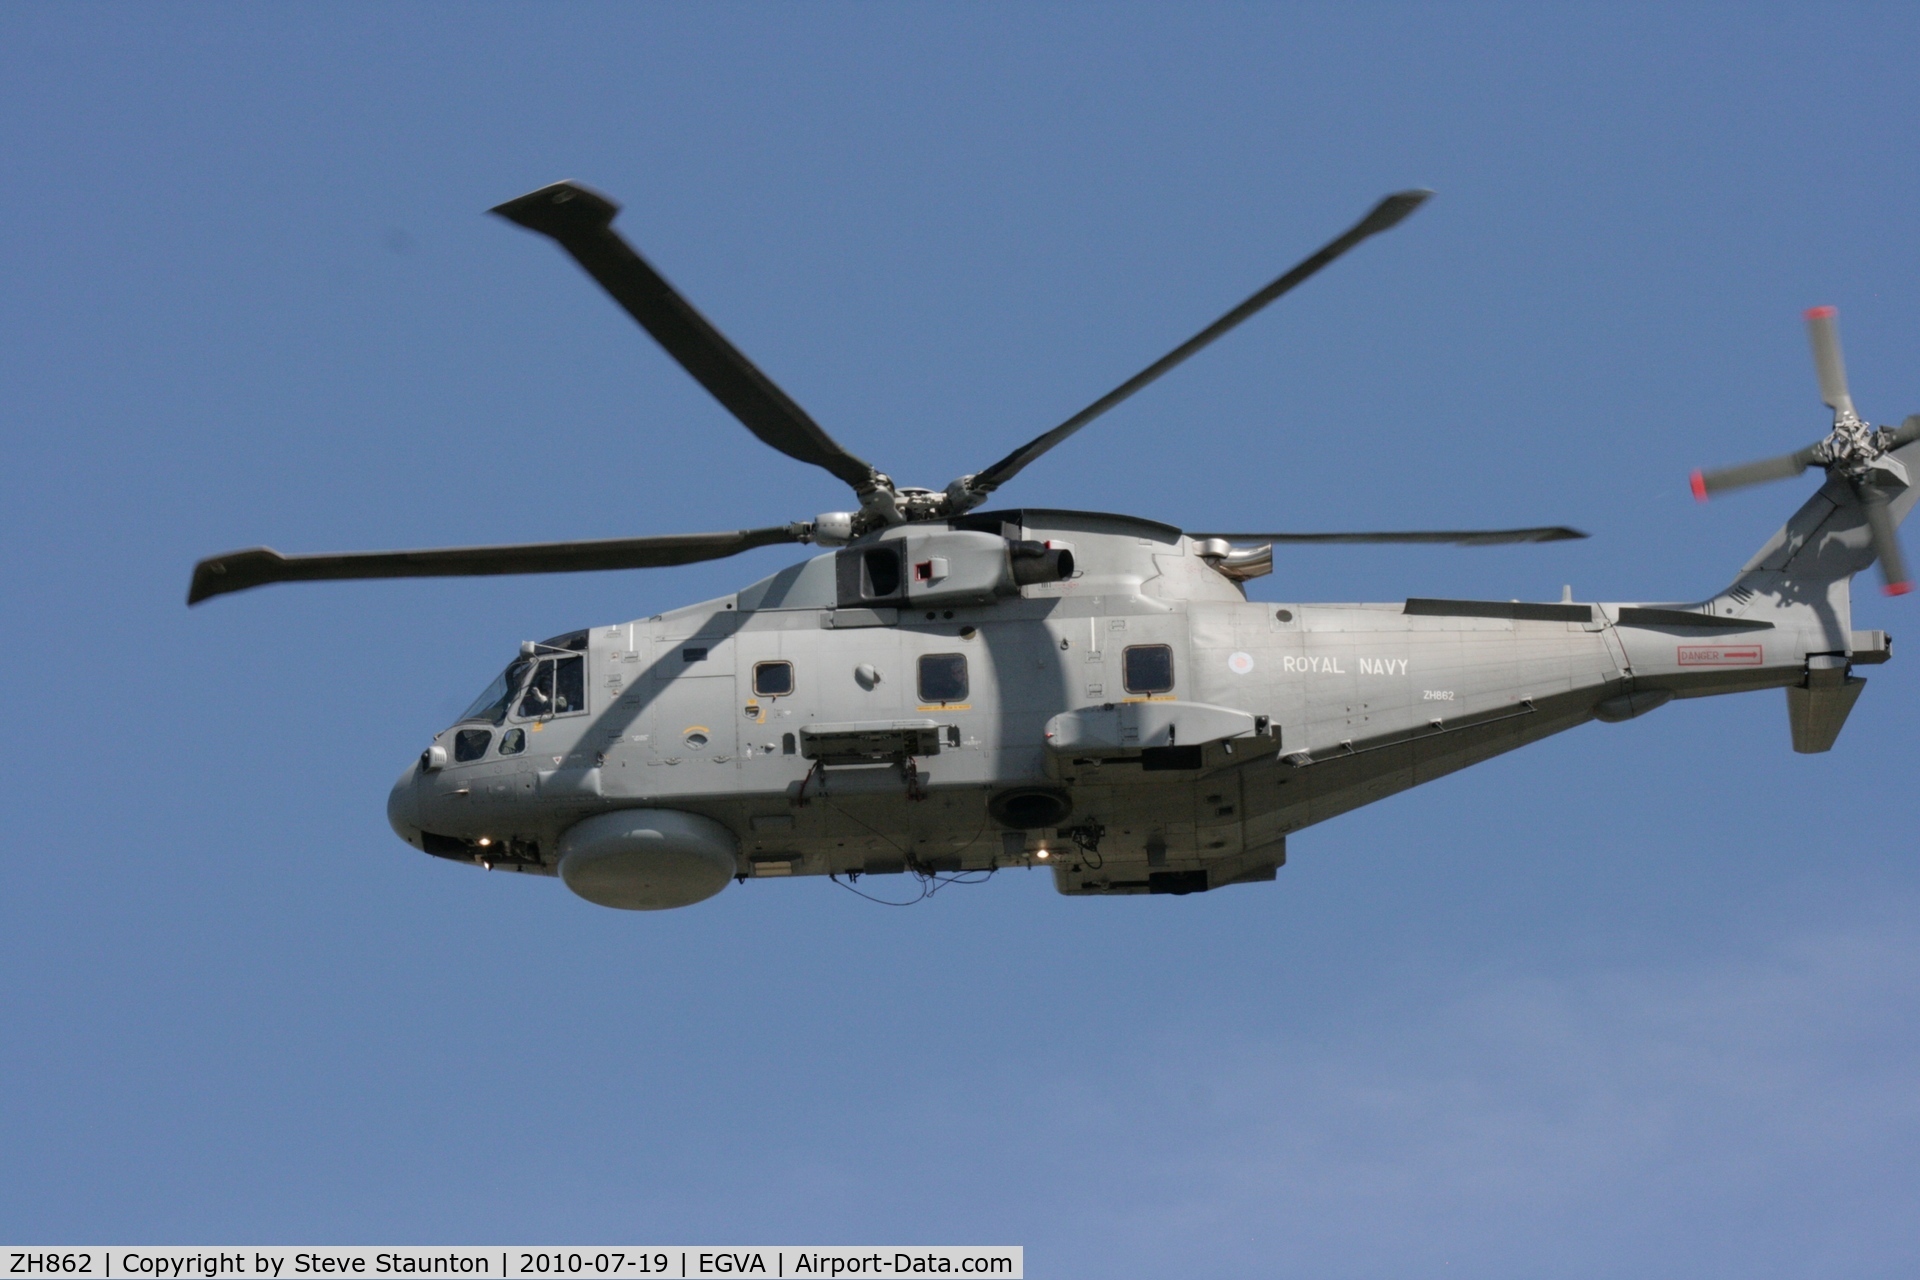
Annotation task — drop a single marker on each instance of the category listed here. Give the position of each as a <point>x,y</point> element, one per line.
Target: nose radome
<point>403,806</point>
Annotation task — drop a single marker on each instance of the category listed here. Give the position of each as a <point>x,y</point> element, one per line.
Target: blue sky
<point>1639,1000</point>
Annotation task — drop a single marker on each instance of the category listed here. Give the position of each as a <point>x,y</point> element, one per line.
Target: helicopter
<point>948,691</point>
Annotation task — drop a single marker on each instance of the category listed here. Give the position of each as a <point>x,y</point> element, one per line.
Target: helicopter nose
<point>403,806</point>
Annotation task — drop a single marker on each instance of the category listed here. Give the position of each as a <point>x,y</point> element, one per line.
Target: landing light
<point>1042,855</point>
<point>484,841</point>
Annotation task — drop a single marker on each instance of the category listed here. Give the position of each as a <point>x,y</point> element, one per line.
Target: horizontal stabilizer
<point>1818,710</point>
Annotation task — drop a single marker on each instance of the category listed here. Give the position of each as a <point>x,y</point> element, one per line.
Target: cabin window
<point>471,744</point>
<point>943,677</point>
<point>772,679</point>
<point>514,742</point>
<point>558,688</point>
<point>1148,668</point>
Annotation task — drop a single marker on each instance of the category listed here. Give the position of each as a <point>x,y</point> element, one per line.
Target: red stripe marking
<point>1822,313</point>
<point>1698,483</point>
<point>1898,588</point>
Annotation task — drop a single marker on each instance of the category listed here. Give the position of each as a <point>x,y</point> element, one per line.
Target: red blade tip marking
<point>1898,588</point>
<point>1822,313</point>
<point>1698,483</point>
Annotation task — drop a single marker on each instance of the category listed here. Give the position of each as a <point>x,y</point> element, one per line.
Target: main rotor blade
<point>1784,467</point>
<point>240,570</point>
<point>1886,539</point>
<point>1823,328</point>
<point>1459,537</point>
<point>1381,217</point>
<point>580,221</point>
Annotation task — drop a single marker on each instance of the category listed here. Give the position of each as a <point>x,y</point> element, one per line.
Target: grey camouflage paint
<point>1358,701</point>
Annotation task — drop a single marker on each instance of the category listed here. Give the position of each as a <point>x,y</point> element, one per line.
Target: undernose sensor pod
<point>647,859</point>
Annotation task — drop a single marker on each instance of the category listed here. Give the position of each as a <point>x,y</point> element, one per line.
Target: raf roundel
<point>1240,663</point>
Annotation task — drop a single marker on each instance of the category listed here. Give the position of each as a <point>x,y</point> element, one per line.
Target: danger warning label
<point>1720,655</point>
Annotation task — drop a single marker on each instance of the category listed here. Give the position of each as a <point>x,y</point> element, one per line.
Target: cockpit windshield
<point>492,705</point>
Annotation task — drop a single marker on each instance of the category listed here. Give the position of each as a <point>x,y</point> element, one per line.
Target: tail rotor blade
<point>1886,540</point>
<point>1823,328</point>
<point>1785,467</point>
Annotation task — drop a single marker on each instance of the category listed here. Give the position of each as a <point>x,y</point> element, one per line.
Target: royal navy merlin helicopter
<point>949,690</point>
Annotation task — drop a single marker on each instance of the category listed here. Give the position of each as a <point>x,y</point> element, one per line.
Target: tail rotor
<point>1853,451</point>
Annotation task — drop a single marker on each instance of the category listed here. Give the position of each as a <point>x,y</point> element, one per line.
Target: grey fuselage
<point>1040,741</point>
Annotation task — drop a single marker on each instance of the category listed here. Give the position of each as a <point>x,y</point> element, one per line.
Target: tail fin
<point>1802,581</point>
<point>1810,562</point>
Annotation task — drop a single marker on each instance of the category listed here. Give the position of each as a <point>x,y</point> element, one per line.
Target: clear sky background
<point>1639,1000</point>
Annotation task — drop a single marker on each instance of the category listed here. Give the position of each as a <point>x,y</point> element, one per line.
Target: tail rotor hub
<point>1856,449</point>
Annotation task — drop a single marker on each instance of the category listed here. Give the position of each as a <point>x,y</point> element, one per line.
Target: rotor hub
<point>1853,446</point>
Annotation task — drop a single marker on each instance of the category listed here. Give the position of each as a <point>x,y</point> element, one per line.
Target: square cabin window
<point>772,679</point>
<point>1148,668</point>
<point>943,677</point>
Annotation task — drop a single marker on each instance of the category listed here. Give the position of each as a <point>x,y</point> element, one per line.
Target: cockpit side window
<point>538,699</point>
<point>471,744</point>
<point>569,685</point>
<point>558,688</point>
